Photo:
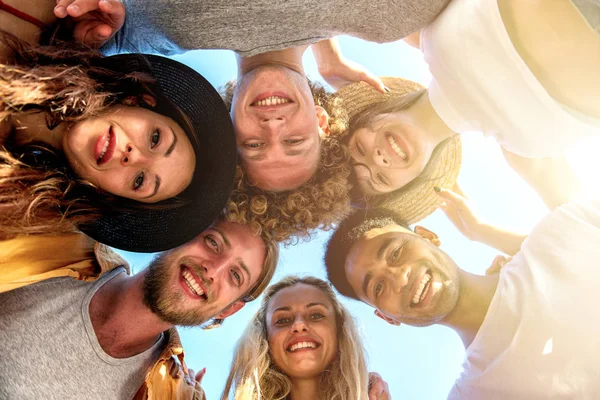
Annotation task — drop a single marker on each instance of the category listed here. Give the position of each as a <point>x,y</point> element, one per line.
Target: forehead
<point>298,296</point>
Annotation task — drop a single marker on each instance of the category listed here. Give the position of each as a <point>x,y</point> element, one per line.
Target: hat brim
<point>420,200</point>
<point>216,156</point>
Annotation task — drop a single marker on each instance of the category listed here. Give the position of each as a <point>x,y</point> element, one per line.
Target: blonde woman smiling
<point>302,344</point>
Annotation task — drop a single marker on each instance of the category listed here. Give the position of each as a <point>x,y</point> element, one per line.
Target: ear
<point>148,99</point>
<point>230,310</point>
<point>387,319</point>
<point>428,235</point>
<point>323,119</point>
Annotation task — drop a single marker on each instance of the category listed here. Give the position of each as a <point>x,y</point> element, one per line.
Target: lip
<point>415,286</point>
<point>300,340</point>
<point>185,287</point>
<point>403,145</point>
<point>110,150</point>
<point>273,107</point>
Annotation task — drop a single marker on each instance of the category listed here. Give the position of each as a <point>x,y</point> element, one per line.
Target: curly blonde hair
<point>254,376</point>
<point>318,204</point>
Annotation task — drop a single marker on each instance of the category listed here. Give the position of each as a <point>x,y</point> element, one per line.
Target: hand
<point>498,263</point>
<point>378,388</point>
<point>338,71</point>
<point>197,378</point>
<point>96,21</point>
<point>177,370</point>
<point>460,212</point>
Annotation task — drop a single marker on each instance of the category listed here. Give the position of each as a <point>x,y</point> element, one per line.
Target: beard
<point>165,301</point>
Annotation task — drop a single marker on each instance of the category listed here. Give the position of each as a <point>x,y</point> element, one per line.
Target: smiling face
<point>302,331</point>
<point>205,277</point>
<point>132,152</point>
<point>403,275</point>
<point>390,152</point>
<point>277,127</point>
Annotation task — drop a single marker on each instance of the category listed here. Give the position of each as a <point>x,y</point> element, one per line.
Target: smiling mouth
<point>396,147</point>
<point>303,346</point>
<point>422,290</point>
<point>271,101</point>
<point>105,153</point>
<point>192,284</point>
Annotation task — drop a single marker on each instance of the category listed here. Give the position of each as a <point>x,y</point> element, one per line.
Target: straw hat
<point>420,200</point>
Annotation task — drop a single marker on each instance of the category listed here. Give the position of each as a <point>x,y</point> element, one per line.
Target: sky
<point>417,363</point>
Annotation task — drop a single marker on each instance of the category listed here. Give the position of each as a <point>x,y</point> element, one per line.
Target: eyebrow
<point>309,305</point>
<point>156,186</point>
<point>366,282</point>
<point>383,248</point>
<point>172,147</point>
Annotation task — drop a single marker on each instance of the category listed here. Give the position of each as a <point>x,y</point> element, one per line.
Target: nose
<point>272,125</point>
<point>399,276</point>
<point>212,268</point>
<point>380,158</point>
<point>299,325</point>
<point>132,156</point>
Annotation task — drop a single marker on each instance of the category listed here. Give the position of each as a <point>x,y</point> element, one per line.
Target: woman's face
<point>390,152</point>
<point>302,331</point>
<point>132,152</point>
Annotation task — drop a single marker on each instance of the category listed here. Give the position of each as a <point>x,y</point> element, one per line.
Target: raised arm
<point>552,178</point>
<point>337,70</point>
<point>466,219</point>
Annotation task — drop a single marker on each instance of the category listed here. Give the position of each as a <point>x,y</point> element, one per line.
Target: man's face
<point>205,277</point>
<point>405,277</point>
<point>277,127</point>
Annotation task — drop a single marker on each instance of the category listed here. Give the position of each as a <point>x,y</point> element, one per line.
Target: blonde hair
<point>318,204</point>
<point>253,375</point>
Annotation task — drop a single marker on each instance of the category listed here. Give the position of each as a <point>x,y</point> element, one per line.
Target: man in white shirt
<point>529,331</point>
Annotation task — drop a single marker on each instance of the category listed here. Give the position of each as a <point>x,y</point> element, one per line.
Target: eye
<point>396,254</point>
<point>316,316</point>
<point>294,141</point>
<point>237,277</point>
<point>154,138</point>
<point>211,243</point>
<point>382,179</point>
<point>378,289</point>
<point>254,145</point>
<point>139,181</point>
<point>360,149</point>
<point>282,321</point>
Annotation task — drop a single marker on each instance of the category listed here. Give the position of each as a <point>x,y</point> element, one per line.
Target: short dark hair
<point>351,229</point>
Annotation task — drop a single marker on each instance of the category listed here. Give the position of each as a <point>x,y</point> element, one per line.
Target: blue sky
<point>417,363</point>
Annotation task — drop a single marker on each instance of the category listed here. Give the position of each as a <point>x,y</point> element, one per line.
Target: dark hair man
<point>65,338</point>
<point>527,329</point>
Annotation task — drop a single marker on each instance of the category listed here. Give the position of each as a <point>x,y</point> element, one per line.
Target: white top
<point>481,83</point>
<point>540,338</point>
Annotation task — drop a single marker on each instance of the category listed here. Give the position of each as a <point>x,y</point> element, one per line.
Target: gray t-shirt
<point>257,26</point>
<point>48,348</point>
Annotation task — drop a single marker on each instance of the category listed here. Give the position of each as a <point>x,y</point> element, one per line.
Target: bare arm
<point>414,40</point>
<point>552,178</point>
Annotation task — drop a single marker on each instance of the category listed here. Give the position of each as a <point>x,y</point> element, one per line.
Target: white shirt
<point>480,83</point>
<point>540,338</point>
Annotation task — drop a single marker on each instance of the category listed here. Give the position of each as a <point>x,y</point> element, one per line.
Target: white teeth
<point>105,147</point>
<point>271,101</point>
<point>302,345</point>
<point>192,284</point>
<point>420,293</point>
<point>397,149</point>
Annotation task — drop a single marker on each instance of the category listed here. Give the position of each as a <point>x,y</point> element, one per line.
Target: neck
<point>476,293</point>
<point>123,325</point>
<point>432,122</point>
<point>32,128</point>
<point>305,389</point>
<point>290,58</point>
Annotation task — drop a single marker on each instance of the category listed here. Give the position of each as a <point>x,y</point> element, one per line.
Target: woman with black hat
<point>137,151</point>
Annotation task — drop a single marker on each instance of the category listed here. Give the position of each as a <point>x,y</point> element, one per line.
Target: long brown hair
<point>39,193</point>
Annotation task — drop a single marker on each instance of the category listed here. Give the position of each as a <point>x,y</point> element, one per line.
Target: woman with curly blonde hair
<point>319,203</point>
<point>302,344</point>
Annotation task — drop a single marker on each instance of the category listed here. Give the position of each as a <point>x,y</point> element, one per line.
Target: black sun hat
<point>213,140</point>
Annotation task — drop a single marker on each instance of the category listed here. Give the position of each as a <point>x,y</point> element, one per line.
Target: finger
<point>191,373</point>
<point>79,7</point>
<point>92,33</point>
<point>61,8</point>
<point>454,198</point>
<point>457,189</point>
<point>372,80</point>
<point>200,375</point>
<point>115,12</point>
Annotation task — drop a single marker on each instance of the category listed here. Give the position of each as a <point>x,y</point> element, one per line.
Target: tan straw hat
<point>418,199</point>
